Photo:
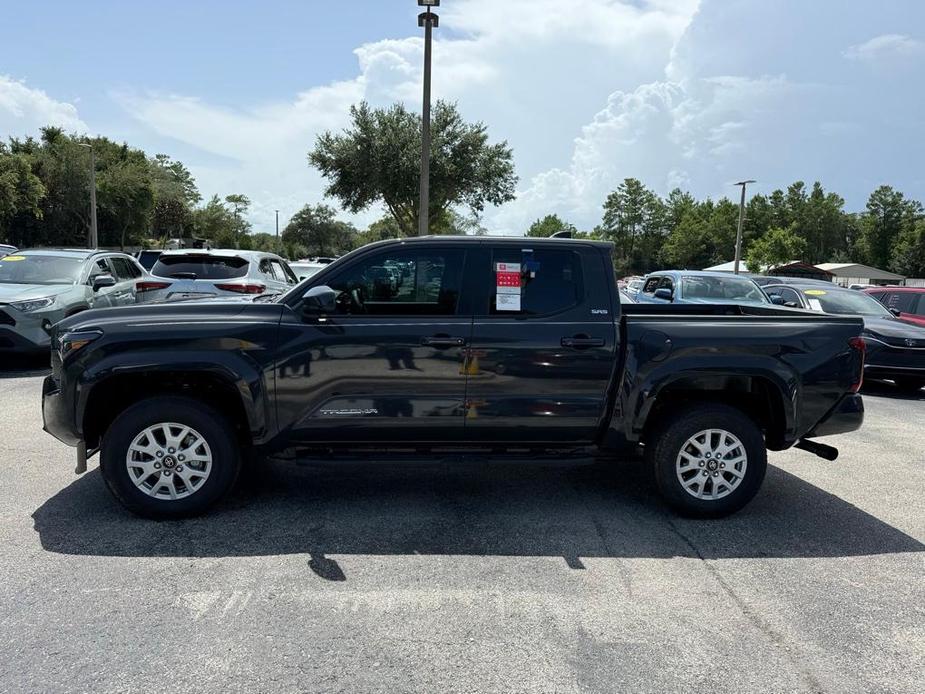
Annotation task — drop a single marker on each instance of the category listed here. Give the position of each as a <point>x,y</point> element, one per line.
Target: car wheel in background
<point>169,457</point>
<point>709,461</point>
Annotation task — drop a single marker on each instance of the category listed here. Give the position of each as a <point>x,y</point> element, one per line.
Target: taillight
<point>141,287</point>
<point>242,288</point>
<point>858,344</point>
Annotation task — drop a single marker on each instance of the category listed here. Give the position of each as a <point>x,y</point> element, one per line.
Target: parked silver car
<point>205,274</point>
<point>39,288</point>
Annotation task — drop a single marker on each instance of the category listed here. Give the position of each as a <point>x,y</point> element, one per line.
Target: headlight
<point>33,304</point>
<point>72,342</point>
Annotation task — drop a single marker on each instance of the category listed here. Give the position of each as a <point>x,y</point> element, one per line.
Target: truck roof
<point>512,240</point>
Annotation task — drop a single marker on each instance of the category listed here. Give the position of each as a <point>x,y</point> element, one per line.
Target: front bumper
<point>847,415</point>
<point>58,414</point>
<point>26,332</point>
<point>893,361</point>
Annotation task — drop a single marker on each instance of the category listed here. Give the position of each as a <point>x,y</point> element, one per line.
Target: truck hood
<point>23,292</point>
<point>156,317</point>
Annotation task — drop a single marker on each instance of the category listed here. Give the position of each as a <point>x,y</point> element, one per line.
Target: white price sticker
<point>508,302</point>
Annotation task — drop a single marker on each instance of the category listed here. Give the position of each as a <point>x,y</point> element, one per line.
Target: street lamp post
<point>278,249</point>
<point>741,223</point>
<point>429,21</point>
<point>93,240</point>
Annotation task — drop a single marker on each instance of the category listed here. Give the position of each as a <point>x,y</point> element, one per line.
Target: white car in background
<point>306,268</point>
<point>193,274</point>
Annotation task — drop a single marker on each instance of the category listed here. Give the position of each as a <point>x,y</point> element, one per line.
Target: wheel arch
<point>113,395</point>
<point>760,397</point>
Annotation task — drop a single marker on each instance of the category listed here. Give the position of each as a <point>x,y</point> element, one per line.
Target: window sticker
<point>815,292</point>
<point>815,304</point>
<point>13,258</point>
<point>508,302</point>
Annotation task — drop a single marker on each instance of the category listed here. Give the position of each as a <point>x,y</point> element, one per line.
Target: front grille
<point>6,318</point>
<point>903,342</point>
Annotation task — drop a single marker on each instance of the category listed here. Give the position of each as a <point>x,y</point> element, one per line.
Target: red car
<point>906,302</point>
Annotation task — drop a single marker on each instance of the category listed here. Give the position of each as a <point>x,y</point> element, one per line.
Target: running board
<point>819,449</point>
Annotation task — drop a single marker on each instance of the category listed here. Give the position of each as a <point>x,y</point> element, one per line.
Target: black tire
<point>910,385</point>
<point>209,423</point>
<point>664,446</point>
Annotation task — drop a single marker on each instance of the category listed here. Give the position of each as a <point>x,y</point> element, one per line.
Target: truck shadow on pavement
<point>24,366</point>
<point>888,390</point>
<point>572,511</point>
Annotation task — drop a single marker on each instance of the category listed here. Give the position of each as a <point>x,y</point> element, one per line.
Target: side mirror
<point>792,304</point>
<point>319,301</point>
<point>103,281</point>
<point>777,299</point>
<point>664,294</point>
<point>896,312</point>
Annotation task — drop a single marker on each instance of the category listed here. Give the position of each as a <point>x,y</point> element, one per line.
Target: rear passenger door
<point>543,343</point>
<point>126,272</point>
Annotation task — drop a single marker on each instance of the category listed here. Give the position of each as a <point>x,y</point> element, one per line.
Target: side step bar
<point>819,449</point>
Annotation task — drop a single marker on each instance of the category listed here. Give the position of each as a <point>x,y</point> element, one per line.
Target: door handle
<point>582,342</point>
<point>441,341</point>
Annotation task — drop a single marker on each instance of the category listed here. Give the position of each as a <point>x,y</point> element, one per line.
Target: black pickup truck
<point>434,345</point>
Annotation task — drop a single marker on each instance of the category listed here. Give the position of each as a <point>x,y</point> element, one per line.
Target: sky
<point>694,94</point>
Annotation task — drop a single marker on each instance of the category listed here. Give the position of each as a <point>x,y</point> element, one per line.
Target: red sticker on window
<point>508,279</point>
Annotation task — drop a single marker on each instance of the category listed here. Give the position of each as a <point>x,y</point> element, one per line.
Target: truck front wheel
<point>709,461</point>
<point>169,457</point>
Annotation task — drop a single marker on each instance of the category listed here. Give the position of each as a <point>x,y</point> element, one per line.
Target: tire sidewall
<point>674,435</point>
<point>212,425</point>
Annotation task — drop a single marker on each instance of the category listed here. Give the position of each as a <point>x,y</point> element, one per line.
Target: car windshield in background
<point>847,302</point>
<point>719,289</point>
<point>200,267</point>
<point>39,269</point>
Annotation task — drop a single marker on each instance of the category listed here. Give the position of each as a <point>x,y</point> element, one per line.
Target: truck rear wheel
<point>169,457</point>
<point>709,461</point>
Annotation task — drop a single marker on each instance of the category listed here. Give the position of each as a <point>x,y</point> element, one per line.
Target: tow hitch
<point>819,449</point>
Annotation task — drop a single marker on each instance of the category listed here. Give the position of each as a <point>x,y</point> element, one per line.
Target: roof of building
<point>859,271</point>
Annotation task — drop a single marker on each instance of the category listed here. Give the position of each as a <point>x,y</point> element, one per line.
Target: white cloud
<point>886,47</point>
<point>23,110</point>
<point>503,73</point>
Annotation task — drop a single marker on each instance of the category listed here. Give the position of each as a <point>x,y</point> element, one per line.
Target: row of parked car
<point>38,288</point>
<point>894,317</point>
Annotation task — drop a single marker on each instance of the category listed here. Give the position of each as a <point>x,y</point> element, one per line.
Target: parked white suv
<point>192,274</point>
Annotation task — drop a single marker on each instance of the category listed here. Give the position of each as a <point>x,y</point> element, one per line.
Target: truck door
<point>388,365</point>
<point>543,343</point>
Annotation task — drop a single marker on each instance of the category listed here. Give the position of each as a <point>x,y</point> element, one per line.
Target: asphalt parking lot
<point>488,576</point>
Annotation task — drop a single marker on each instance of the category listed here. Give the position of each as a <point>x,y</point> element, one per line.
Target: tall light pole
<point>429,21</point>
<point>741,222</point>
<point>278,249</point>
<point>93,240</point>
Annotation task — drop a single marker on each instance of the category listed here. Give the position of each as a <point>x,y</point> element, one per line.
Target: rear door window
<point>904,302</point>
<point>200,267</point>
<point>125,270</point>
<point>534,282</point>
<point>283,272</point>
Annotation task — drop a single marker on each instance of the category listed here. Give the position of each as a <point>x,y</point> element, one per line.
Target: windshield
<point>40,269</point>
<point>720,289</point>
<point>200,267</point>
<point>846,301</point>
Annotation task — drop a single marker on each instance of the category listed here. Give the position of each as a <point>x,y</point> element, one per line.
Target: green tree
<point>634,220</point>
<point>909,252</point>
<point>21,192</point>
<point>549,225</point>
<point>888,214</point>
<point>378,160</point>
<point>239,206</point>
<point>216,223</point>
<point>689,245</point>
<point>316,230</point>
<point>777,247</point>
<point>125,201</point>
